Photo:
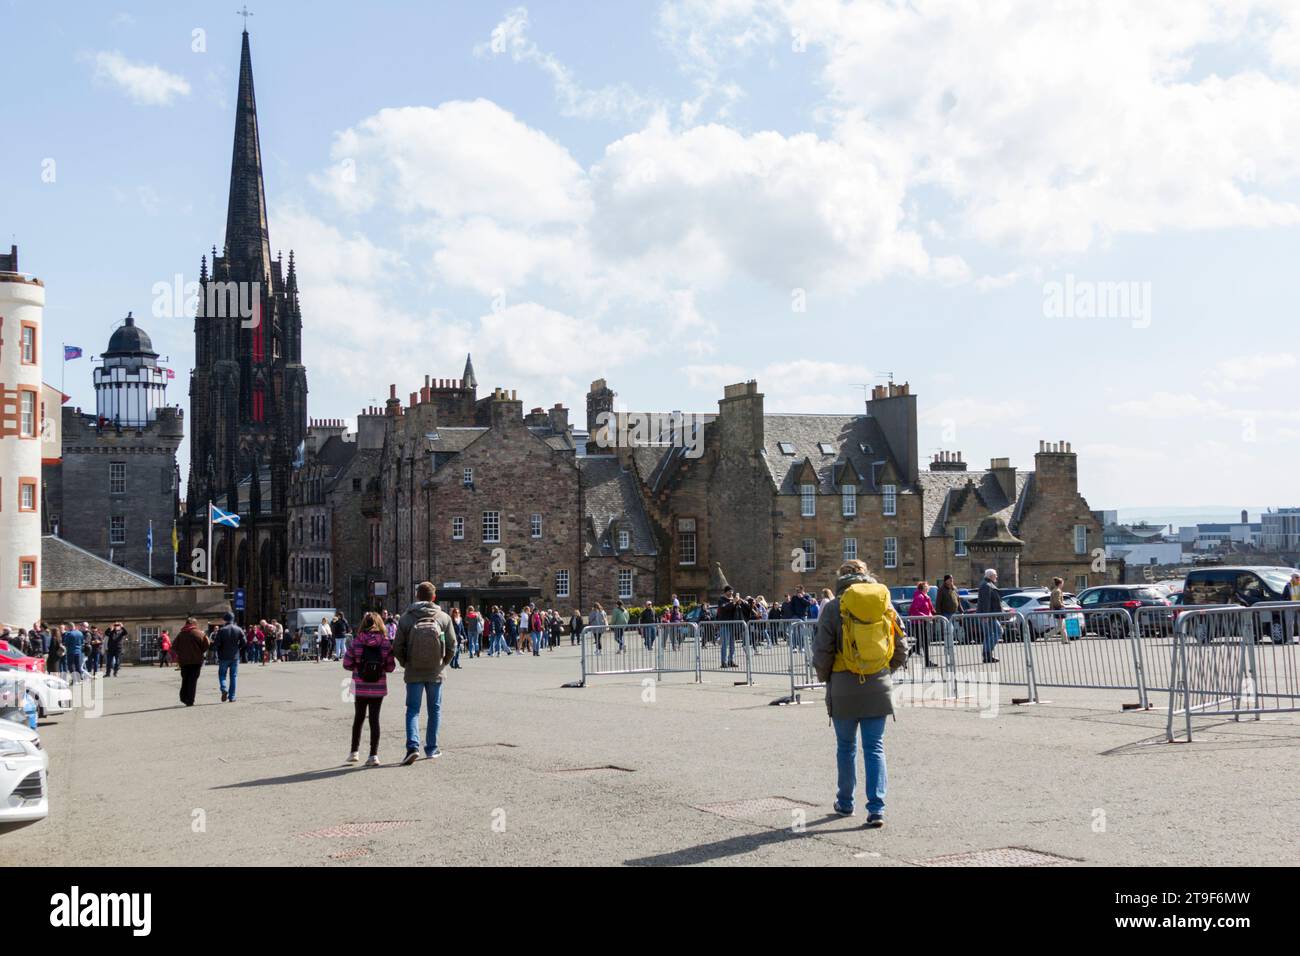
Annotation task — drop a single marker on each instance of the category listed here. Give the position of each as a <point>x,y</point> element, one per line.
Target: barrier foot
<point>1025,701</point>
<point>1137,706</point>
<point>575,683</point>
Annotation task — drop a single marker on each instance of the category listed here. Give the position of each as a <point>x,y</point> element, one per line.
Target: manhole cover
<point>352,854</point>
<point>1002,856</point>
<point>358,829</point>
<point>741,809</point>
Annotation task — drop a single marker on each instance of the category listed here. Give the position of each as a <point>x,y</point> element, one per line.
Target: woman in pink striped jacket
<point>370,659</point>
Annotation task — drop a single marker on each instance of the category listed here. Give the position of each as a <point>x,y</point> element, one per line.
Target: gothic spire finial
<point>468,379</point>
<point>247,236</point>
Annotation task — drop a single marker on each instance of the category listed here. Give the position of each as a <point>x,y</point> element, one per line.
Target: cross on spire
<point>245,13</point>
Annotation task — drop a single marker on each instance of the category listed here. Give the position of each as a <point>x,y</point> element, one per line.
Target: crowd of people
<point>73,651</point>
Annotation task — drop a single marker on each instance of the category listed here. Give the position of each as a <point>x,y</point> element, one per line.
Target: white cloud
<point>510,37</point>
<point>144,83</point>
<point>1251,373</point>
<point>1077,122</point>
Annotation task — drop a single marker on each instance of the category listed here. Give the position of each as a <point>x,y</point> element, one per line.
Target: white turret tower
<point>22,305</point>
<point>129,385</point>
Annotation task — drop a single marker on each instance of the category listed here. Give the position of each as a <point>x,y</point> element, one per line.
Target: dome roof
<point>130,339</point>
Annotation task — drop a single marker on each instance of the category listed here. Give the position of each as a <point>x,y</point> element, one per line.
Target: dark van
<point>1243,586</point>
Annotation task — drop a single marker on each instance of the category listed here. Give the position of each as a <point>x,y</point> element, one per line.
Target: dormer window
<point>808,500</point>
<point>786,447</point>
<point>624,540</point>
<point>864,448</point>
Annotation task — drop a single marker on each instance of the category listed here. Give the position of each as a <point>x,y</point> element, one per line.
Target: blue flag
<point>71,352</point>
<point>224,517</point>
<point>148,538</point>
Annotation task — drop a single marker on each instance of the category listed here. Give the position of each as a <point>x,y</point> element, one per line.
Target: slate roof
<point>609,494</point>
<point>64,566</point>
<point>846,434</point>
<point>941,492</point>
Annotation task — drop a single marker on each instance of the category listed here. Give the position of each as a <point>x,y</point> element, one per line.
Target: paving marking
<point>1001,856</point>
<point>355,853</point>
<point>590,771</point>
<point>358,829</point>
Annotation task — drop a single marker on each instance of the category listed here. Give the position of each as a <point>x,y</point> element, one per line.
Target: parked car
<point>24,767</point>
<point>1244,586</point>
<point>1032,606</point>
<point>12,657</point>
<point>53,695</point>
<point>1236,585</point>
<point>1129,597</point>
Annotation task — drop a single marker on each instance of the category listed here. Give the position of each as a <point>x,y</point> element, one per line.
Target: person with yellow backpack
<point>859,642</point>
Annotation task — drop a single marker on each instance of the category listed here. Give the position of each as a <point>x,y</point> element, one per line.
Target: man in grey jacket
<point>856,704</point>
<point>426,641</point>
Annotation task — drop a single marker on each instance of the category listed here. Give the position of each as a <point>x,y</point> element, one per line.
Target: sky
<point>1056,221</point>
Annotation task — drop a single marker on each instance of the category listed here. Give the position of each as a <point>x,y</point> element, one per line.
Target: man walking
<point>114,639</point>
<point>990,602</point>
<point>728,616</point>
<point>190,647</point>
<point>424,647</point>
<point>74,642</point>
<point>230,643</point>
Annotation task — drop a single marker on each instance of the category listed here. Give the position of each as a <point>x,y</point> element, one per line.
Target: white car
<point>53,695</point>
<point>24,768</point>
<point>1025,602</point>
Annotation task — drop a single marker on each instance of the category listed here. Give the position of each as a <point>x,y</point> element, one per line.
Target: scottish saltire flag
<point>71,352</point>
<point>148,539</point>
<point>224,517</point>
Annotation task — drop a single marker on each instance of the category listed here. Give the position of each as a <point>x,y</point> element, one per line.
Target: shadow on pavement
<point>155,710</point>
<point>306,776</point>
<point>737,845</point>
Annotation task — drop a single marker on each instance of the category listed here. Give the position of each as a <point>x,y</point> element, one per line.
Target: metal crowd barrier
<point>766,655</point>
<point>1002,635</point>
<point>1096,650</point>
<point>803,676</point>
<point>1234,662</point>
<point>931,654</point>
<point>724,648</point>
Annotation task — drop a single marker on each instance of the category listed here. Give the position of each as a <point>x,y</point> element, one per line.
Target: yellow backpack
<point>868,624</point>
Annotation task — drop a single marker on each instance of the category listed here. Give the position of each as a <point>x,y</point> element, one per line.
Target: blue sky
<point>646,191</point>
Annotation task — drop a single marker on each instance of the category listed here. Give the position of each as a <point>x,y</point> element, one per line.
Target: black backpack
<point>371,670</point>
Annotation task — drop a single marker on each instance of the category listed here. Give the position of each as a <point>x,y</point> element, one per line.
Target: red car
<point>13,657</point>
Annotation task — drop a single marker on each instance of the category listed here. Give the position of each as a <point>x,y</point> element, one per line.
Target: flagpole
<point>208,559</point>
<point>151,547</point>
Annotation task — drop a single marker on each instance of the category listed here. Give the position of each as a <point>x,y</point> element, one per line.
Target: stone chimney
<point>600,407</point>
<point>1005,474</point>
<point>894,409</point>
<point>1056,470</point>
<point>559,416</point>
<point>947,461</point>
<point>740,416</point>
<point>370,429</point>
<point>507,410</point>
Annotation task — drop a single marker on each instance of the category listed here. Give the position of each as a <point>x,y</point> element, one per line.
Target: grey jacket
<point>441,657</point>
<point>847,694</point>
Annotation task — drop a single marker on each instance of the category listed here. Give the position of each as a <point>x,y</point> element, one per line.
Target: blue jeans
<point>846,754</point>
<point>538,642</point>
<point>992,634</point>
<point>727,645</point>
<point>415,693</point>
<point>473,645</point>
<point>498,645</point>
<point>224,668</point>
<point>74,665</point>
<point>339,647</point>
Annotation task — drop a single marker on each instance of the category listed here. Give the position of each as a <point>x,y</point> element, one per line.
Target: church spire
<point>248,242</point>
<point>467,379</point>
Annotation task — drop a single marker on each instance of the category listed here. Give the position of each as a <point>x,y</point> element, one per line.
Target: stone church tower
<point>248,391</point>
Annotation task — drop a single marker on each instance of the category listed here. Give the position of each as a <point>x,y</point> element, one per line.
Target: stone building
<point>497,506</point>
<point>1042,508</point>
<point>117,477</point>
<point>248,390</point>
<point>327,452</point>
<point>779,500</point>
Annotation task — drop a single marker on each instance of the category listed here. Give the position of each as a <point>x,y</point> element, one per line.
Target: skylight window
<point>826,447</point>
<point>786,447</point>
